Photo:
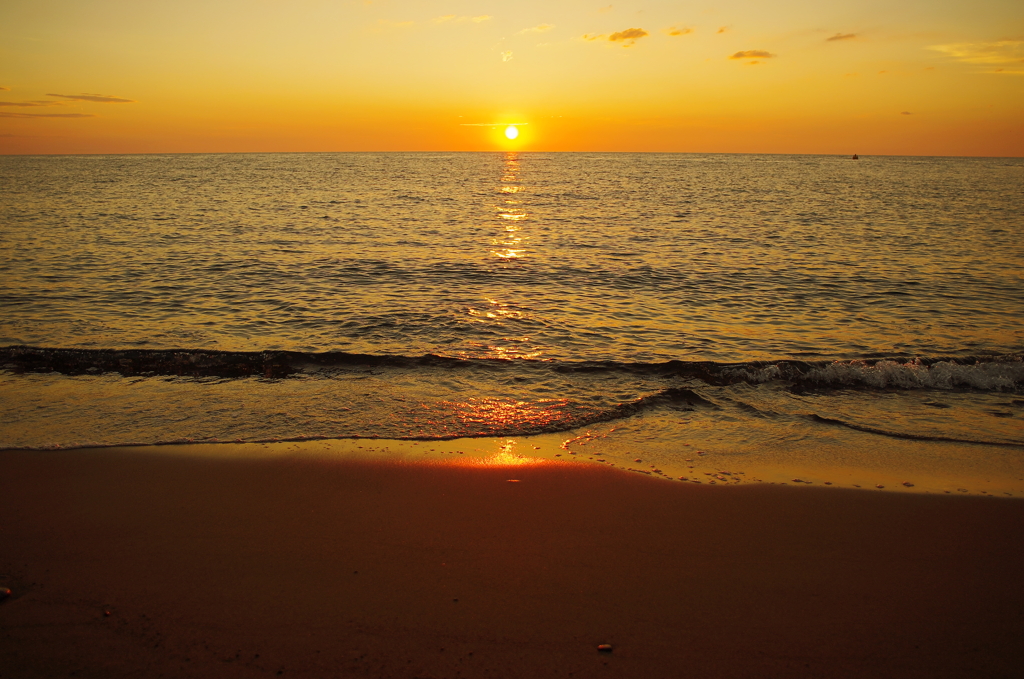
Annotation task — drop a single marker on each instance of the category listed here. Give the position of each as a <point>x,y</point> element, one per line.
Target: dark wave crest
<point>986,373</point>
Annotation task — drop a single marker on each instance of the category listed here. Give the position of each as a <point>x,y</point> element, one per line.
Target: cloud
<point>542,28</point>
<point>678,30</point>
<point>905,113</point>
<point>998,52</point>
<point>98,98</point>
<point>722,29</point>
<point>5,89</point>
<point>606,9</point>
<point>31,103</point>
<point>629,36</point>
<point>506,56</point>
<point>841,36</point>
<point>442,19</point>
<point>752,54</point>
<point>4,114</point>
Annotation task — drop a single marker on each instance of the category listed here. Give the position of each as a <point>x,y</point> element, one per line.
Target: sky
<point>892,77</point>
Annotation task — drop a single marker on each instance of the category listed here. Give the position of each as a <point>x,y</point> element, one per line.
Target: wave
<point>984,373</point>
<point>910,435</point>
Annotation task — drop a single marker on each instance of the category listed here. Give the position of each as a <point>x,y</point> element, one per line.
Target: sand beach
<point>147,563</point>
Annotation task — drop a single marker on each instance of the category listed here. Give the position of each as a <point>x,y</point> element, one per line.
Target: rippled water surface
<point>263,296</point>
<point>621,257</point>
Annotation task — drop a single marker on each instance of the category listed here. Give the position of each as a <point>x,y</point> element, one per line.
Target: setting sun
<point>511,131</point>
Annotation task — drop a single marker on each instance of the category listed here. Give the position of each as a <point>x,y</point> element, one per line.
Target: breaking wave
<point>983,373</point>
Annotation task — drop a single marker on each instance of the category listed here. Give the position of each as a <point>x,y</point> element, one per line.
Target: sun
<point>511,131</point>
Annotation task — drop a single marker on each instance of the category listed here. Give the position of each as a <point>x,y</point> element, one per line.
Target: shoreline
<point>711,465</point>
<point>318,564</point>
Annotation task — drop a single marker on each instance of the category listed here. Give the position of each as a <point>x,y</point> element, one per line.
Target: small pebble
<point>4,593</point>
<point>879,486</point>
<point>604,648</point>
<point>908,484</point>
<point>798,480</point>
<point>828,483</point>
<point>638,460</point>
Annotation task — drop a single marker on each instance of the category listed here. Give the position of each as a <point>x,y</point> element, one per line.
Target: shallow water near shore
<point>789,316</point>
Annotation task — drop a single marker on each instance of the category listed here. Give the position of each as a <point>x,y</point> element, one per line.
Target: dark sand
<point>301,567</point>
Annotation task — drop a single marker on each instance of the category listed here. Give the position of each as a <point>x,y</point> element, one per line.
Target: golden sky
<point>911,77</point>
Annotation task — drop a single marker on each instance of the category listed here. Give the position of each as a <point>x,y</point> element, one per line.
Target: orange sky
<point>793,76</point>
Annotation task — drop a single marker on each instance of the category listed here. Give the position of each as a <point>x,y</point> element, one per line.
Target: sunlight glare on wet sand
<point>507,457</point>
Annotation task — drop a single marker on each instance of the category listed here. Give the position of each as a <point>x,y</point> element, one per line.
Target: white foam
<point>994,375</point>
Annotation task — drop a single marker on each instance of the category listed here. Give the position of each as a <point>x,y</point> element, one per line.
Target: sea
<point>796,313</point>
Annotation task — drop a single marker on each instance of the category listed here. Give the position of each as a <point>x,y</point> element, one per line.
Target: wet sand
<point>124,564</point>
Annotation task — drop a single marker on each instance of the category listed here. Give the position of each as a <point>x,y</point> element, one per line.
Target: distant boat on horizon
<point>855,157</point>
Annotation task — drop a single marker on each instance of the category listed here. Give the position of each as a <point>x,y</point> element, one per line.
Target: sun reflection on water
<point>508,247</point>
<point>494,416</point>
<point>510,243</point>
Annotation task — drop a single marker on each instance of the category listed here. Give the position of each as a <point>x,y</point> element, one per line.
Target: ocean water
<point>751,304</point>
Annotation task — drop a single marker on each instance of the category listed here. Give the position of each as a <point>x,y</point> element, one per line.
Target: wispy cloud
<point>542,28</point>
<point>627,37</point>
<point>722,29</point>
<point>752,54</point>
<point>841,36</point>
<point>4,114</point>
<point>607,8</point>
<point>98,98</point>
<point>491,124</point>
<point>5,89</point>
<point>506,56</point>
<point>999,52</point>
<point>906,113</point>
<point>31,103</point>
<point>678,30</point>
